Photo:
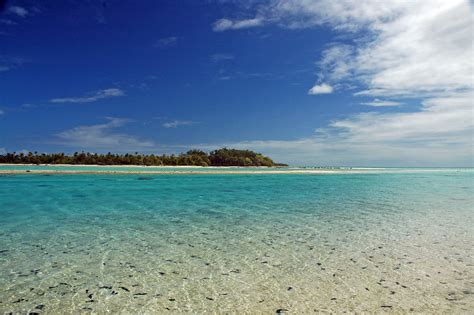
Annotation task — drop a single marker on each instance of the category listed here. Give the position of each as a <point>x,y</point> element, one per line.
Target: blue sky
<point>306,82</point>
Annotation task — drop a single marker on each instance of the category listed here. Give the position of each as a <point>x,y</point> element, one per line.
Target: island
<point>220,157</point>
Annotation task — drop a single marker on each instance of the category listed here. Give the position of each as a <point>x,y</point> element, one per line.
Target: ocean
<point>371,241</point>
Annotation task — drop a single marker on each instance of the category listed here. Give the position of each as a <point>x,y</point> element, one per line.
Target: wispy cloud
<point>406,45</point>
<point>177,123</point>
<point>102,136</point>
<point>381,103</point>
<point>19,11</point>
<point>399,48</point>
<point>420,50</point>
<point>438,135</point>
<point>9,62</point>
<point>221,57</point>
<point>360,142</point>
<point>226,24</point>
<point>2,112</point>
<point>320,89</point>
<point>166,42</point>
<point>101,94</point>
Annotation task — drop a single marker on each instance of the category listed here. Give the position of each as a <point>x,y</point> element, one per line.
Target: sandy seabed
<point>85,248</point>
<point>302,267</point>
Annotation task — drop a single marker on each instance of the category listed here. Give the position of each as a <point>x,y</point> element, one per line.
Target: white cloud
<point>426,51</point>
<point>102,94</point>
<point>441,120</point>
<point>335,63</point>
<point>320,89</point>
<point>441,134</point>
<point>177,123</point>
<point>391,49</point>
<point>2,112</point>
<point>348,15</point>
<point>20,11</point>
<point>166,42</point>
<point>226,24</point>
<point>381,103</point>
<point>8,62</point>
<point>416,48</point>
<point>3,151</point>
<point>102,136</point>
<point>403,48</point>
<point>221,57</point>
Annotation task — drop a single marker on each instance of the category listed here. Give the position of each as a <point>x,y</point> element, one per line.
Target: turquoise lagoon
<point>133,168</point>
<point>255,243</point>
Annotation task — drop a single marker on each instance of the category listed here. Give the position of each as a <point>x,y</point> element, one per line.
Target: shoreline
<point>218,172</point>
<point>81,169</point>
<point>131,165</point>
<point>105,172</point>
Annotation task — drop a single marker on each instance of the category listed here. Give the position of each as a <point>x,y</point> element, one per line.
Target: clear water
<point>249,243</point>
<point>132,168</point>
<point>111,168</point>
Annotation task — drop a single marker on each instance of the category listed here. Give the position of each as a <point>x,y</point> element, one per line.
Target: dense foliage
<point>221,157</point>
<point>230,157</point>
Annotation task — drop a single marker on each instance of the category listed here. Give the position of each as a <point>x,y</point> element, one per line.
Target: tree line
<point>220,157</point>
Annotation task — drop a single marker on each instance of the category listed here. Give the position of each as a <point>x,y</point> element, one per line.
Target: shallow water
<point>130,168</point>
<point>136,168</point>
<point>250,243</point>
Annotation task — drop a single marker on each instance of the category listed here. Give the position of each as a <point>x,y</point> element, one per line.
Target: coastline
<point>125,166</point>
<point>223,172</point>
<point>199,170</point>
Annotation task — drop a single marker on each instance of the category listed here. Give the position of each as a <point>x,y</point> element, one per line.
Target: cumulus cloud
<point>320,89</point>
<point>226,24</point>
<point>177,123</point>
<point>102,136</point>
<point>166,42</point>
<point>381,103</point>
<point>3,151</point>
<point>101,94</point>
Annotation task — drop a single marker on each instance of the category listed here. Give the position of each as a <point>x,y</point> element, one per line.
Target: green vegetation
<point>221,157</point>
<point>231,157</point>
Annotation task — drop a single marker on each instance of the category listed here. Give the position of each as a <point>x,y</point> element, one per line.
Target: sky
<point>307,82</point>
